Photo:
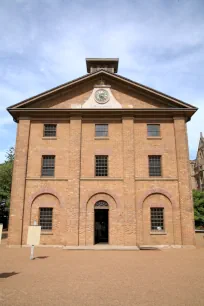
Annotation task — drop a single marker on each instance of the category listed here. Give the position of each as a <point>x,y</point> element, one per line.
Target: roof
<point>141,88</point>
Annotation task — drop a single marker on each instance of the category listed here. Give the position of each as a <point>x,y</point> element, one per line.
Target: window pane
<point>46,218</point>
<point>48,165</point>
<point>153,130</point>
<point>101,130</point>
<point>154,165</point>
<point>157,219</point>
<point>50,130</point>
<point>101,165</point>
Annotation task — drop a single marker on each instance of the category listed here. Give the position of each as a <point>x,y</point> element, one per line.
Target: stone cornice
<point>50,113</point>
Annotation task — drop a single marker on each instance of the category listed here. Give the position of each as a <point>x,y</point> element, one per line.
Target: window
<point>101,165</point>
<point>157,219</point>
<point>154,165</point>
<point>49,130</point>
<point>46,218</point>
<point>101,130</point>
<point>153,130</point>
<point>48,165</point>
<point>101,204</point>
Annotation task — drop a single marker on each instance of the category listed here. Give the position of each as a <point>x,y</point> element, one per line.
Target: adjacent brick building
<point>102,159</point>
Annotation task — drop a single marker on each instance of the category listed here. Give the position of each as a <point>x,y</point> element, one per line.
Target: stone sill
<point>156,178</point>
<point>46,233</point>
<point>46,178</point>
<point>158,233</point>
<point>101,138</point>
<point>49,138</point>
<point>154,137</point>
<point>101,179</point>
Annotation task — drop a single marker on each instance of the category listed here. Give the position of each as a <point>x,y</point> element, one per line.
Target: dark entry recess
<point>101,226</point>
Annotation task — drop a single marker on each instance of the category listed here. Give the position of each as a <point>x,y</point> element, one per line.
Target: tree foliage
<point>6,177</point>
<point>198,199</point>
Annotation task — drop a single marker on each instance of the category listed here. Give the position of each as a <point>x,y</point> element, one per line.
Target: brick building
<point>197,167</point>
<point>102,159</point>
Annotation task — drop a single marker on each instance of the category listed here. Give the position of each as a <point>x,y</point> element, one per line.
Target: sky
<point>44,43</point>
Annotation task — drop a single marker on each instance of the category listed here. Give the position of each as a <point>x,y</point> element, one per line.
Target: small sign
<point>33,235</point>
<point>1,229</point>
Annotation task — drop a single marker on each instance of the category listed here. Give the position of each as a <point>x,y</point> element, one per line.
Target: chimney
<point>107,64</point>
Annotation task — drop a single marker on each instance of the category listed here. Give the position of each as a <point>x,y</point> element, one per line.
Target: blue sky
<point>43,43</point>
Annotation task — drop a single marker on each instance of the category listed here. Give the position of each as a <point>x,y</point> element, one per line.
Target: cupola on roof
<point>96,64</point>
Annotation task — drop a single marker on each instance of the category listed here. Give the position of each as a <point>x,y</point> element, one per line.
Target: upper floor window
<point>101,130</point>
<point>153,130</point>
<point>154,165</point>
<point>157,219</point>
<point>50,130</point>
<point>46,218</point>
<point>48,165</point>
<point>101,165</point>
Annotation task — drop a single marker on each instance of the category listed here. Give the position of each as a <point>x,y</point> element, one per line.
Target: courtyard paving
<point>92,278</point>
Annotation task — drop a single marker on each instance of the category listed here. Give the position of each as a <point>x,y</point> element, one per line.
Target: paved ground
<point>62,277</point>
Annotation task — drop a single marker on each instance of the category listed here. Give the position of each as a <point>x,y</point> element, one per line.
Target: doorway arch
<point>115,230</point>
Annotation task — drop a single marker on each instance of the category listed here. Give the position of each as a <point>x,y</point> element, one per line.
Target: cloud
<point>160,44</point>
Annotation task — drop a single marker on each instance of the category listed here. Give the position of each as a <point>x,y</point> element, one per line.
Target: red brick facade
<point>129,190</point>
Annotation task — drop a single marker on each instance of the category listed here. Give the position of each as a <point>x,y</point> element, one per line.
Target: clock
<point>101,96</point>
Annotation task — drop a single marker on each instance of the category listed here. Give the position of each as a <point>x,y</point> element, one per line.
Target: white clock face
<point>102,96</point>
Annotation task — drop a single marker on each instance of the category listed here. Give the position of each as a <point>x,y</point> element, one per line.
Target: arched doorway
<point>101,210</point>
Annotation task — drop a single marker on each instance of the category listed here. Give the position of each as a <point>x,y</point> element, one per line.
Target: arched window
<point>101,204</point>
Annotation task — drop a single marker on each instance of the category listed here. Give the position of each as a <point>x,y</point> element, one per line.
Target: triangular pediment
<point>123,92</point>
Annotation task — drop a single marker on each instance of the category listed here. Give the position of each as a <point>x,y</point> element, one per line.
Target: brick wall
<point>19,183</point>
<point>128,189</point>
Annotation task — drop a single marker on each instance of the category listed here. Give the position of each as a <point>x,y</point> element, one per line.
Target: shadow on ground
<point>41,257</point>
<point>7,274</point>
<point>149,249</point>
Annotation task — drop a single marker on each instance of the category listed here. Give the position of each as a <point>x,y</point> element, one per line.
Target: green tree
<point>6,177</point>
<point>198,199</point>
<point>10,154</point>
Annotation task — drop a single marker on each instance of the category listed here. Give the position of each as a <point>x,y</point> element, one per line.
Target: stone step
<point>102,247</point>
